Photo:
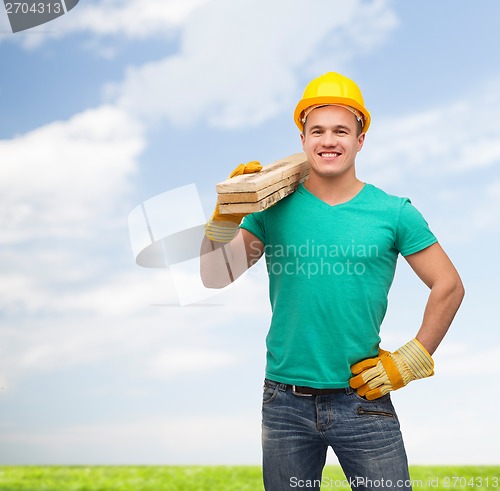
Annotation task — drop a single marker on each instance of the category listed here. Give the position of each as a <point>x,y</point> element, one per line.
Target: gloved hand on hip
<point>375,377</point>
<point>223,228</point>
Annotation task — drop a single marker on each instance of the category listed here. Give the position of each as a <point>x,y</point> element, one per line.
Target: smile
<point>329,155</point>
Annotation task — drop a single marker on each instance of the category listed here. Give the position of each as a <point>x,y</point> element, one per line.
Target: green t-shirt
<point>330,269</point>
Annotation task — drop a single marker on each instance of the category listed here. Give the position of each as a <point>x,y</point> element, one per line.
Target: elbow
<point>460,290</point>
<point>458,286</point>
<point>449,289</point>
<point>213,281</point>
<point>456,289</point>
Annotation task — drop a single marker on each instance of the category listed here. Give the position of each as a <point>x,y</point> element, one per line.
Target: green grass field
<point>217,478</point>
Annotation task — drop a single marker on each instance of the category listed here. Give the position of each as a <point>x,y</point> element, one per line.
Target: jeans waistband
<point>300,390</point>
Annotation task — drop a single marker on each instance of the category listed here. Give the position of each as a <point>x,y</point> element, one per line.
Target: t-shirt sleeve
<point>254,223</point>
<point>413,233</point>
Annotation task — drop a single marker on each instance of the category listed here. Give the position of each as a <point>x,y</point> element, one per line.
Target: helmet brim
<point>345,101</point>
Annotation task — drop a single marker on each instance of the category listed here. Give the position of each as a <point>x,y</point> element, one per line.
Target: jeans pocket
<point>370,411</point>
<point>377,407</point>
<point>270,392</point>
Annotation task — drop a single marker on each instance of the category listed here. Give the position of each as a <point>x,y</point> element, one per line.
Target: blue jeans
<point>365,436</point>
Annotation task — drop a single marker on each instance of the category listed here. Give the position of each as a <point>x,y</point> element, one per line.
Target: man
<point>331,249</point>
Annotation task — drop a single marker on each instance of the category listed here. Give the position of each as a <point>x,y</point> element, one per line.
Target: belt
<point>311,391</point>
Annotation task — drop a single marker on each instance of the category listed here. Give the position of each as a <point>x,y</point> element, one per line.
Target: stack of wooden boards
<point>248,193</point>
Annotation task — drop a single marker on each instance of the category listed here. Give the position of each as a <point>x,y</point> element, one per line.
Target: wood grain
<point>255,192</point>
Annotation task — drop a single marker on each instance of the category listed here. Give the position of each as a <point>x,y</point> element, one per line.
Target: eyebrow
<point>336,127</point>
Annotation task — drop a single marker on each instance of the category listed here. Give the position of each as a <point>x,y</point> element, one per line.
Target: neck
<point>334,190</point>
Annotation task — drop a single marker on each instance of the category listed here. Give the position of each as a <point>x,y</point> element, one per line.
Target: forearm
<point>223,255</point>
<point>375,377</point>
<point>442,305</point>
<point>222,263</point>
<point>214,268</point>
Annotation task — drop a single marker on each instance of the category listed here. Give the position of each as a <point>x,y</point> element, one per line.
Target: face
<point>331,142</point>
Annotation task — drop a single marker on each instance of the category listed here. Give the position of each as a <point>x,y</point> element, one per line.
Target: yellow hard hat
<point>331,88</point>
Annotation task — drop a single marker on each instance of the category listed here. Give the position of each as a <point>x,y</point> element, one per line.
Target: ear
<point>361,140</point>
<point>302,139</point>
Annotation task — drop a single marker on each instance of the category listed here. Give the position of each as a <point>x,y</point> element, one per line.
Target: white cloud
<point>155,440</point>
<point>445,415</point>
<point>181,360</point>
<point>456,138</point>
<point>65,179</point>
<point>462,438</point>
<point>238,61</point>
<point>71,294</point>
<point>130,313</point>
<point>462,361</point>
<point>65,191</point>
<point>484,215</point>
<point>132,19</point>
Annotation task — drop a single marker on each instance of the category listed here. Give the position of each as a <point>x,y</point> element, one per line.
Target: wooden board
<point>255,192</point>
<point>254,196</point>
<point>268,201</point>
<point>269,175</point>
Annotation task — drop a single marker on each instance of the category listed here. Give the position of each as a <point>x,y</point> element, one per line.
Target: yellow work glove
<point>223,228</point>
<point>375,377</point>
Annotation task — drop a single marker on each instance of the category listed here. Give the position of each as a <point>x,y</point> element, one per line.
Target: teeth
<point>330,154</point>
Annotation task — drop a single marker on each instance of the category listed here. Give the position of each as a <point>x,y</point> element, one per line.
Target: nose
<point>329,139</point>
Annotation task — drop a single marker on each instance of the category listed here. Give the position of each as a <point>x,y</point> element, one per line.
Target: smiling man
<point>331,249</point>
<point>331,140</point>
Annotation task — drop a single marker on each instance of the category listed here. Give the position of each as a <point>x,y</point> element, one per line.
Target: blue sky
<point>119,101</point>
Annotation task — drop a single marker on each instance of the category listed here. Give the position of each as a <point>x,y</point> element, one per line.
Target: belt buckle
<point>299,394</point>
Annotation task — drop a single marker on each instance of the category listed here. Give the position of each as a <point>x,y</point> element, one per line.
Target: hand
<point>248,168</point>
<point>375,377</point>
<point>223,227</point>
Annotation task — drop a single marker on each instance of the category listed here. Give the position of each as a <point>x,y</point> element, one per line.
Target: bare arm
<point>435,269</point>
<point>222,263</point>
